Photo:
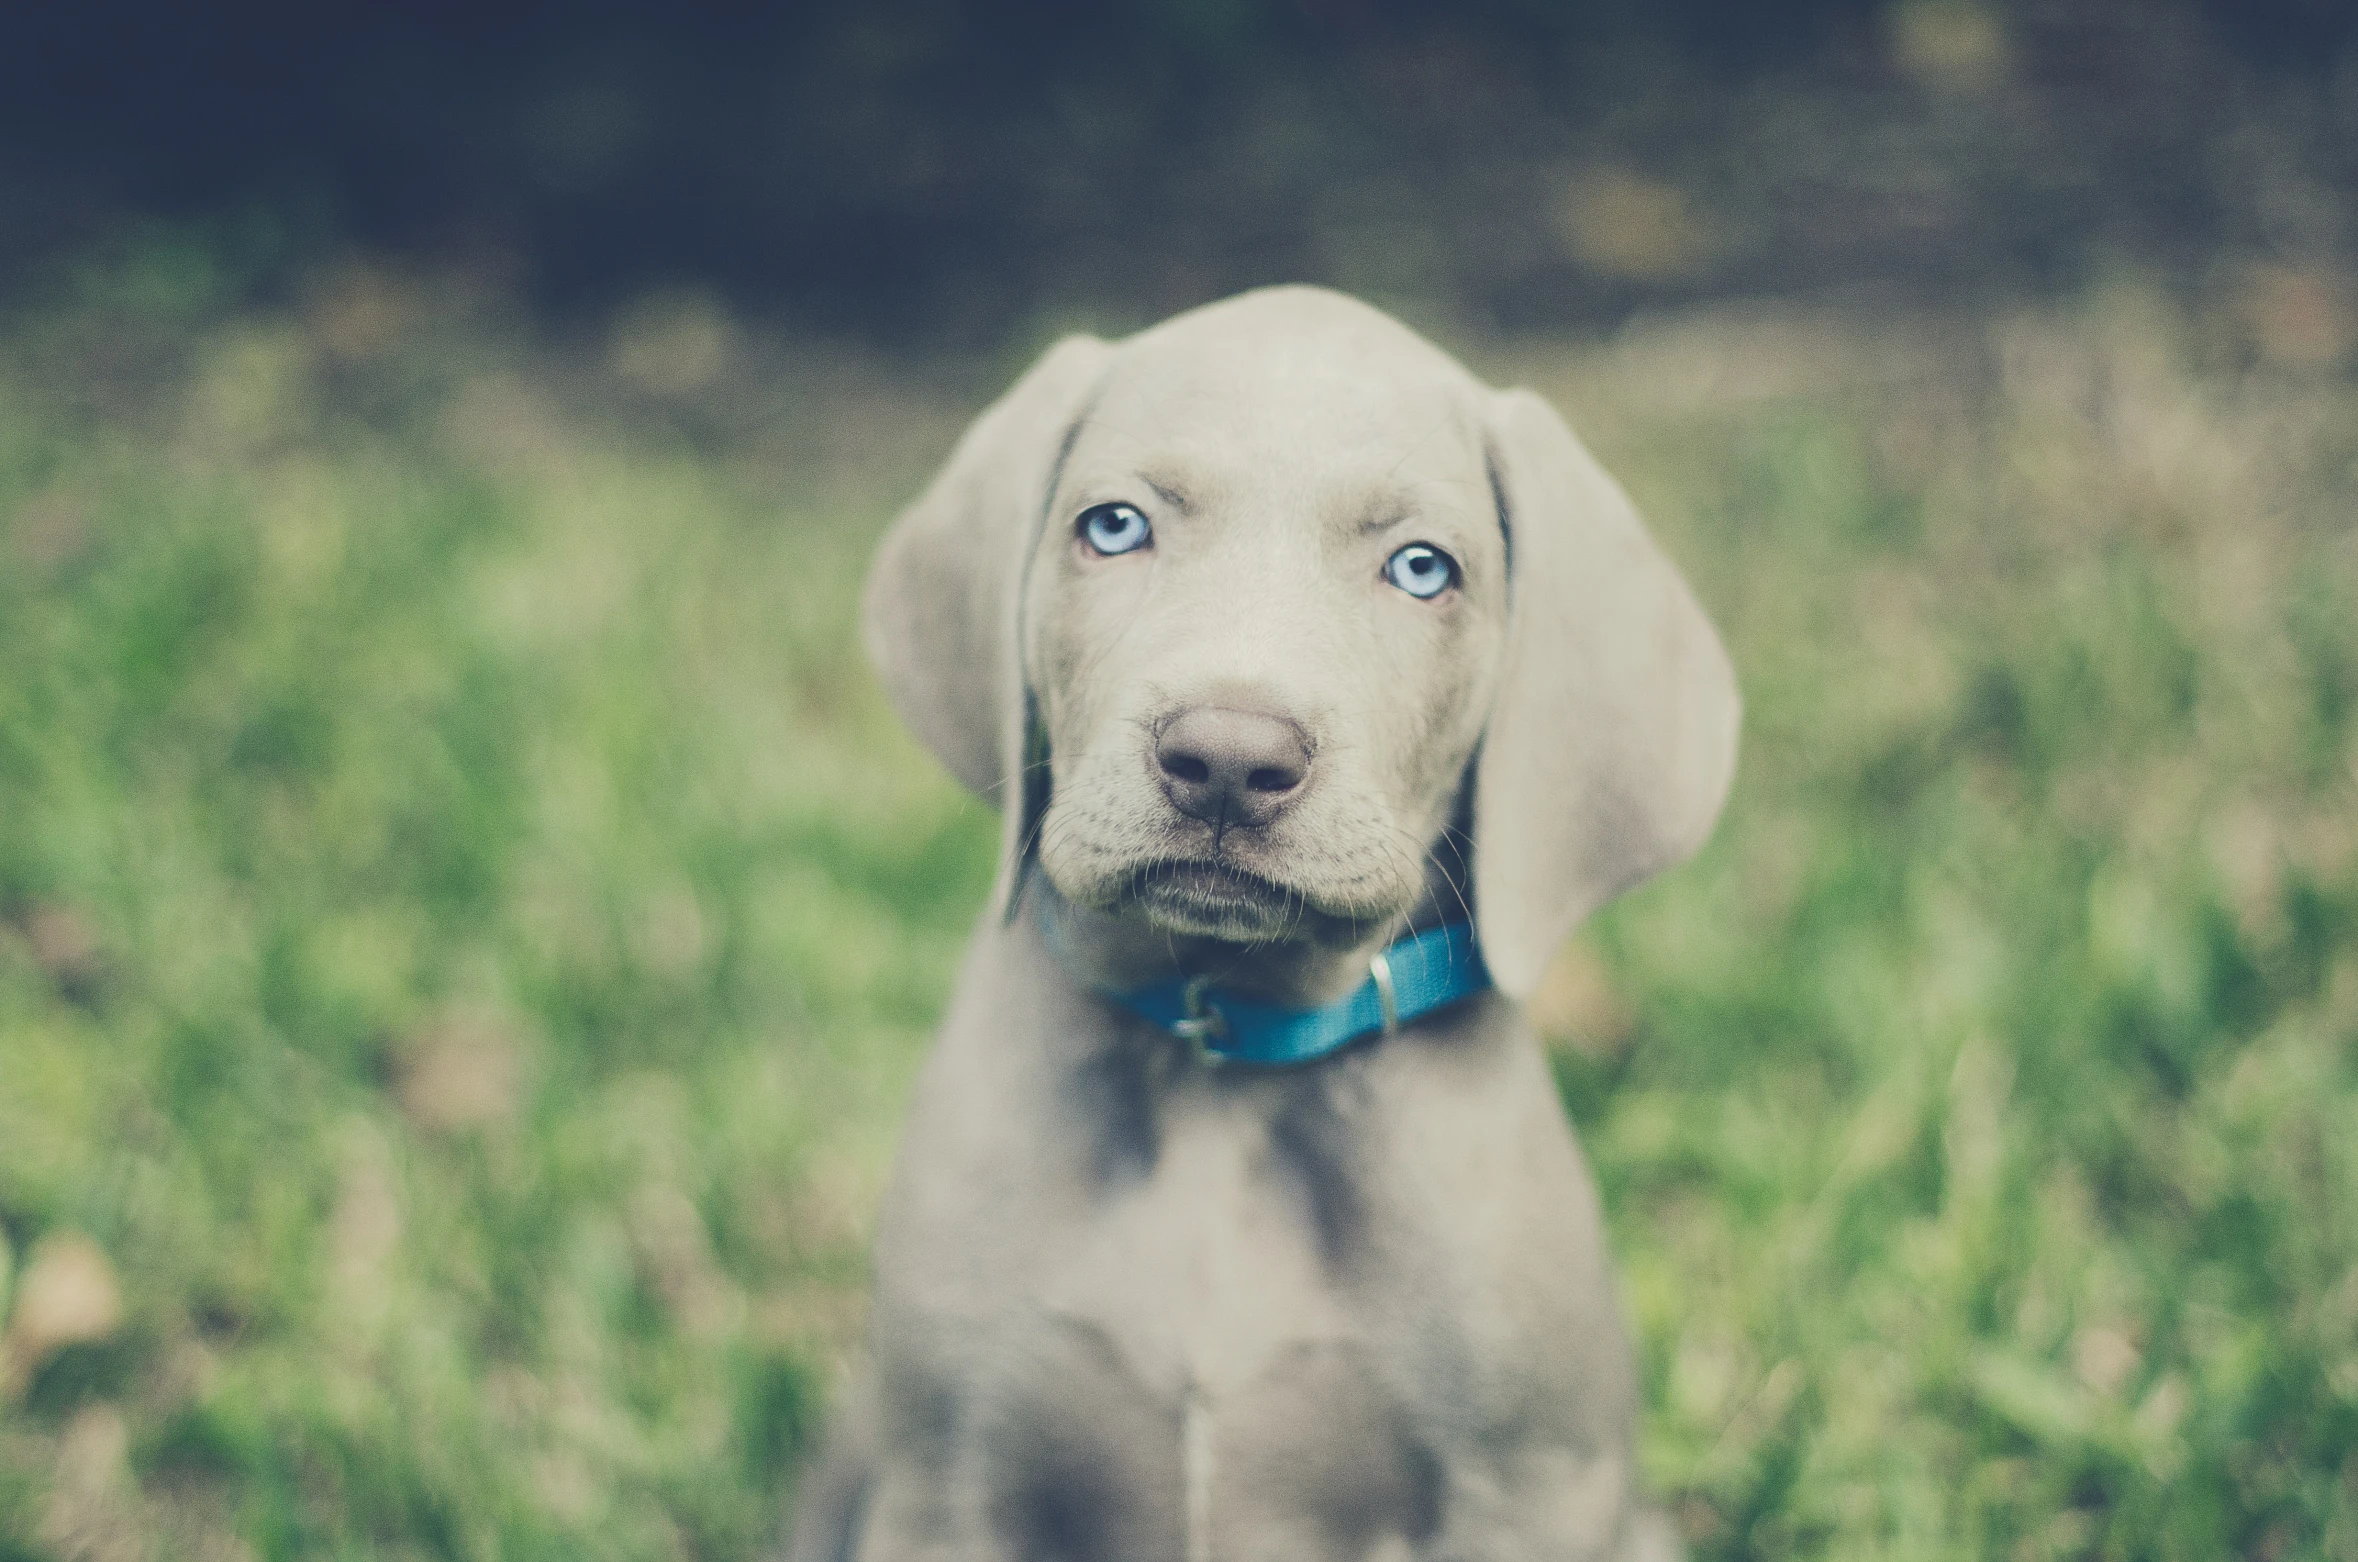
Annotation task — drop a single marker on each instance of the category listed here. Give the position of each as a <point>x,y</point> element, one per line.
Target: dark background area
<point>924,172</point>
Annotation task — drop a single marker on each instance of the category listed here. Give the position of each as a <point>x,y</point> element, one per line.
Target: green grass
<point>467,922</point>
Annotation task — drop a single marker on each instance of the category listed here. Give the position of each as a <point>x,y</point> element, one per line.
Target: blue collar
<point>1409,979</point>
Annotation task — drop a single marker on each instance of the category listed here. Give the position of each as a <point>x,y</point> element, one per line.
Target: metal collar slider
<point>1202,1023</point>
<point>1379,970</point>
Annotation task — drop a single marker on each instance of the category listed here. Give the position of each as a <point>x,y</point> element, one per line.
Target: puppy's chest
<point>1235,1240</point>
<point>1207,1375</point>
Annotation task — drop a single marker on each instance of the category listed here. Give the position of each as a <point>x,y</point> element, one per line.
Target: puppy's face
<point>1263,626</point>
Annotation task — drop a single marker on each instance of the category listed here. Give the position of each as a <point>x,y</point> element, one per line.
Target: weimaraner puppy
<point>1324,690</point>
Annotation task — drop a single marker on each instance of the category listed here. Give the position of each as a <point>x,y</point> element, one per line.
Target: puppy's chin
<point>1209,900</point>
<point>1216,901</point>
<point>1239,891</point>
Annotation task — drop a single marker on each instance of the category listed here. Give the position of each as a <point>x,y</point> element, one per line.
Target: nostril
<point>1271,779</point>
<point>1186,767</point>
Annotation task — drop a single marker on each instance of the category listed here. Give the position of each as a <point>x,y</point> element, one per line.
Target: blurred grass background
<point>467,920</point>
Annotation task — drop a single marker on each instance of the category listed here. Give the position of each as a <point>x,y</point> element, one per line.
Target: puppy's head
<point>1232,613</point>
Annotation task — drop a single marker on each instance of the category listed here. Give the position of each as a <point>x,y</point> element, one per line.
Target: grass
<point>467,922</point>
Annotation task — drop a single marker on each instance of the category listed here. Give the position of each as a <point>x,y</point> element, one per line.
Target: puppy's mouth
<point>1215,900</point>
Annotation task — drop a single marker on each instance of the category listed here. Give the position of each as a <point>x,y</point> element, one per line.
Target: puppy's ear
<point>1613,739</point>
<point>939,617</point>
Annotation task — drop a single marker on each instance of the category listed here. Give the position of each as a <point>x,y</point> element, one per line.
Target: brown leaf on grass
<point>462,1071</point>
<point>93,1513</point>
<point>674,1251</point>
<point>68,1296</point>
<point>65,944</point>
<point>48,532</point>
<point>364,1233</point>
<point>2305,318</point>
<point>1619,223</point>
<point>362,311</point>
<point>673,345</point>
<point>673,935</point>
<point>1575,1004</point>
<point>2104,1358</point>
<point>1952,47</point>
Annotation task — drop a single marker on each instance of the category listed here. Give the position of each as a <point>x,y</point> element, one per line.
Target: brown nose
<point>1231,766</point>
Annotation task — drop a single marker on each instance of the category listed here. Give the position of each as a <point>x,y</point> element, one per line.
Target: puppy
<point>1324,689</point>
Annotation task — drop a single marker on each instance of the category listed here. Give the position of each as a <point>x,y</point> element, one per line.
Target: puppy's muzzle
<point>1231,767</point>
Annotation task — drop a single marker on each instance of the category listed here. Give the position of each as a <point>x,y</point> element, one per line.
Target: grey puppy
<point>1282,639</point>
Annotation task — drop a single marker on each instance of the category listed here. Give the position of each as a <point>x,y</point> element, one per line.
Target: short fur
<point>1135,1304</point>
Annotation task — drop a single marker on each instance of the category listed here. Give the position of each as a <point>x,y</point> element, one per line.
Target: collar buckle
<point>1203,1023</point>
<point>1379,970</point>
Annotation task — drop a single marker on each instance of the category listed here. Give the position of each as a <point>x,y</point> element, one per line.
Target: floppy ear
<point>1613,739</point>
<point>940,615</point>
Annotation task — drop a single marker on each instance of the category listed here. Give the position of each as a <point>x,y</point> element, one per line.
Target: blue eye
<point>1114,528</point>
<point>1421,570</point>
